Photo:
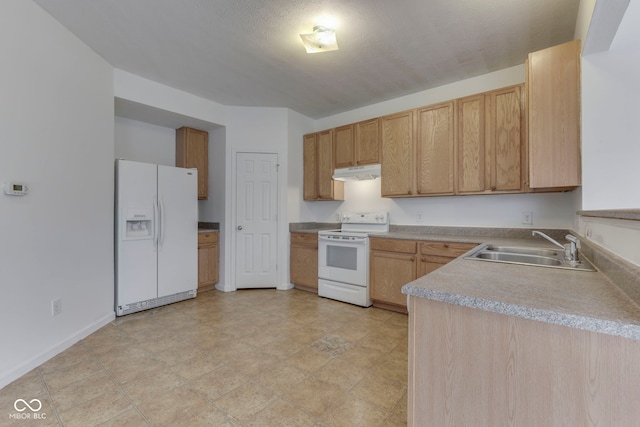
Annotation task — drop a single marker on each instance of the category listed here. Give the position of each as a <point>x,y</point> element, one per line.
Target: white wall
<point>610,120</point>
<point>260,130</point>
<point>298,211</point>
<point>56,122</point>
<point>213,209</point>
<point>143,142</point>
<point>552,210</point>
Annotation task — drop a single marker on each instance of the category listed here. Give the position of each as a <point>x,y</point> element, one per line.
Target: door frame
<point>281,226</point>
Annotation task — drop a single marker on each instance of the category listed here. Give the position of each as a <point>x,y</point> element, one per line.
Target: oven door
<point>343,260</point>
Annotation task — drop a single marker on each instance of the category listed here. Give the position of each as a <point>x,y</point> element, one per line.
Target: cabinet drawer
<point>393,245</point>
<point>304,239</point>
<point>207,238</point>
<point>446,249</point>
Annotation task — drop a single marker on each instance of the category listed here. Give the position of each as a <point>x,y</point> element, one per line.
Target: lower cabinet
<point>303,261</point>
<point>434,255</point>
<point>208,260</point>
<point>395,262</point>
<point>392,264</point>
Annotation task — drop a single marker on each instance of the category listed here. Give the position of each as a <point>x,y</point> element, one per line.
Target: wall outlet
<point>527,218</point>
<point>56,306</point>
<point>419,217</point>
<point>338,216</point>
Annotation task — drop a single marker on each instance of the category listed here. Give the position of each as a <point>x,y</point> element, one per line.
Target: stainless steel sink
<point>540,257</point>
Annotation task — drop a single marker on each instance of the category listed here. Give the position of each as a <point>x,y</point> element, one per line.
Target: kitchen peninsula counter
<point>503,344</point>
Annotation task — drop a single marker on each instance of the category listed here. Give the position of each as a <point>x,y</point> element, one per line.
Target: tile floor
<point>245,358</point>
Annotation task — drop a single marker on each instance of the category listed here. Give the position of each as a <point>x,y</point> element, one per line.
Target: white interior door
<point>256,220</point>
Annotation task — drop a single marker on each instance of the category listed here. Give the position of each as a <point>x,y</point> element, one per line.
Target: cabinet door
<point>192,151</point>
<point>390,271</point>
<point>207,265</point>
<point>553,96</point>
<point>344,147</point>
<point>505,156</point>
<point>325,164</point>
<point>304,266</point>
<point>398,167</point>
<point>436,149</point>
<point>367,142</point>
<point>471,144</point>
<point>427,265</point>
<point>310,148</point>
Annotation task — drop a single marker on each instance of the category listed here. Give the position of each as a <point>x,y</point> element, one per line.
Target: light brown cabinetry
<point>398,155</point>
<point>435,146</point>
<point>395,262</point>
<point>303,263</point>
<point>192,151</point>
<point>553,98</point>
<point>471,144</point>
<point>392,264</point>
<point>208,261</point>
<point>344,149</point>
<point>434,254</point>
<point>357,144</point>
<point>500,370</point>
<point>507,139</point>
<point>318,168</point>
<point>491,142</point>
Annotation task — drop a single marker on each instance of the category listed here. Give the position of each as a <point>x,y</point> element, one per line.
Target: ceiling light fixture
<point>321,40</point>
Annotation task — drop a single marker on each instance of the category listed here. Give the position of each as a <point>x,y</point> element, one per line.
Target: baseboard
<point>223,288</point>
<point>18,371</point>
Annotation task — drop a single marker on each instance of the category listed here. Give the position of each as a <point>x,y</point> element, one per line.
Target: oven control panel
<point>365,217</point>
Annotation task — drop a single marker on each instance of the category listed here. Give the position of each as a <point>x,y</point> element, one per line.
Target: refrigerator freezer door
<point>136,259</point>
<point>178,224</point>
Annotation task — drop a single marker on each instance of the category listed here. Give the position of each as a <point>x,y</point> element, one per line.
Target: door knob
<point>239,227</point>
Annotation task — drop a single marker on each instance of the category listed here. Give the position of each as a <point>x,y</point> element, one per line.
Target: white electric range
<point>343,257</point>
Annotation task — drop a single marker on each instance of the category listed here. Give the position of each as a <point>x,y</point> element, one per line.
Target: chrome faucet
<point>570,249</point>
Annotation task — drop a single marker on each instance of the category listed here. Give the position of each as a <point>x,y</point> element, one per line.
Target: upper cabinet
<point>491,142</point>
<point>553,95</point>
<point>318,168</point>
<point>506,139</point>
<point>367,142</point>
<point>517,139</point>
<point>344,146</point>
<point>435,149</point>
<point>397,162</point>
<point>192,151</point>
<point>357,144</point>
<point>471,144</point>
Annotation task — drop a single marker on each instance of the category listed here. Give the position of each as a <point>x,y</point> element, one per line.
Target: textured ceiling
<point>248,52</point>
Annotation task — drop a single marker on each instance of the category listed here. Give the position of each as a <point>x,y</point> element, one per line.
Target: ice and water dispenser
<point>138,224</point>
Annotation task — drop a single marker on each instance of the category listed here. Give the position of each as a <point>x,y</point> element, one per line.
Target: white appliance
<point>343,257</point>
<point>156,235</point>
<point>358,173</point>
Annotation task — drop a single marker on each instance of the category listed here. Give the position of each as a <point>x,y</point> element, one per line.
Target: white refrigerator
<point>156,235</point>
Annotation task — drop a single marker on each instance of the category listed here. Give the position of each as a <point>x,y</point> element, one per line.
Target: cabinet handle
<point>413,258</point>
<point>493,188</point>
<point>446,245</point>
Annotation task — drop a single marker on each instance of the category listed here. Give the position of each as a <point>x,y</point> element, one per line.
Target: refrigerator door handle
<point>161,234</point>
<point>156,219</point>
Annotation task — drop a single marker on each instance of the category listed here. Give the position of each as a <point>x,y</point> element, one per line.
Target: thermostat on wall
<point>15,189</point>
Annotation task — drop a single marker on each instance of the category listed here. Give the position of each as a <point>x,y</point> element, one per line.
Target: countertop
<point>207,230</point>
<point>578,299</point>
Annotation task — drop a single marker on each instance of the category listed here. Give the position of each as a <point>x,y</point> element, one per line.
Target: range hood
<point>357,173</point>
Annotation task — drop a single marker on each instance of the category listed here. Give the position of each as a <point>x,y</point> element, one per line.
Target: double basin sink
<point>540,257</point>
